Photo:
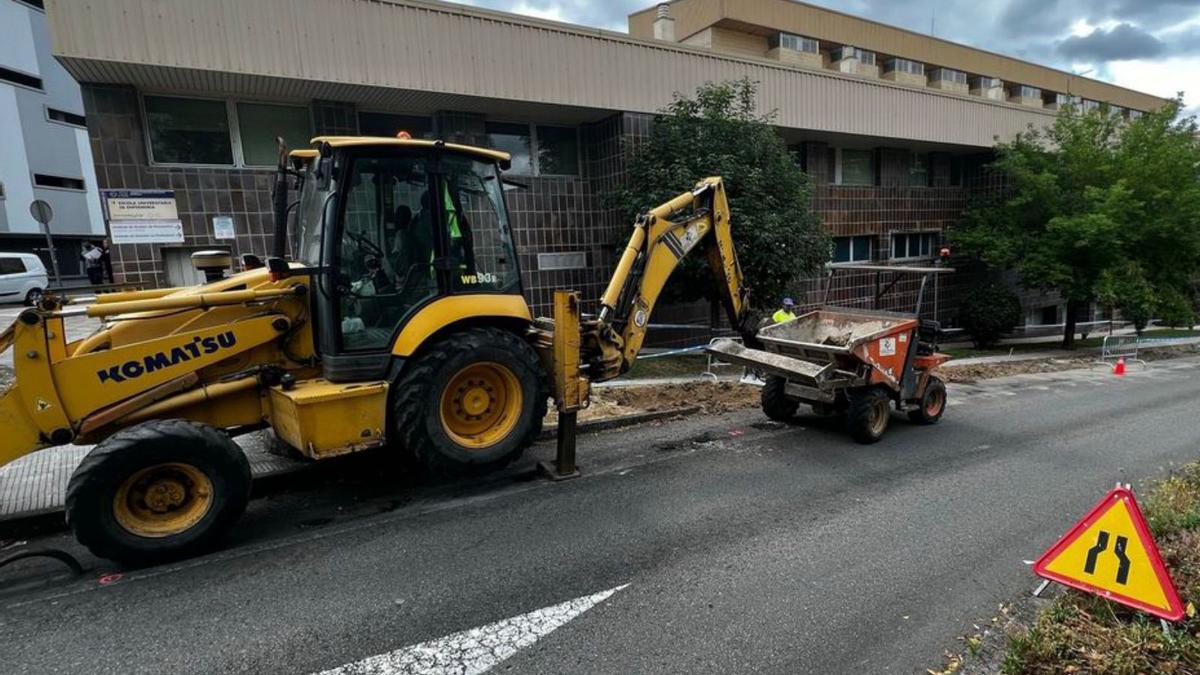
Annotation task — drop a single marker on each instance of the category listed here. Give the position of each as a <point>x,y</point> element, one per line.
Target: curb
<point>620,421</point>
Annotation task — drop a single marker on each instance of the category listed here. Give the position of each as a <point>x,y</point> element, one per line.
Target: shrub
<point>988,312</point>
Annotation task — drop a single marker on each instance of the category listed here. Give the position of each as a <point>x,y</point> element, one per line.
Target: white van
<point>22,278</point>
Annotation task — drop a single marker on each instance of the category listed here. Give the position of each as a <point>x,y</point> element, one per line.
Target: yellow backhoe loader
<point>392,315</point>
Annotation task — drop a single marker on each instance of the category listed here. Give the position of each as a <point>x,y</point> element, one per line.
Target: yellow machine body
<point>325,419</point>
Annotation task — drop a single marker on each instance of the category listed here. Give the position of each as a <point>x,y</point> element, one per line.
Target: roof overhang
<point>423,57</point>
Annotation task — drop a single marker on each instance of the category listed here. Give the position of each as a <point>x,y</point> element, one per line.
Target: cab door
<point>381,260</point>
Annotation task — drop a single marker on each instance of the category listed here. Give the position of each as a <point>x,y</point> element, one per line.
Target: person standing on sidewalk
<point>106,262</point>
<point>91,262</point>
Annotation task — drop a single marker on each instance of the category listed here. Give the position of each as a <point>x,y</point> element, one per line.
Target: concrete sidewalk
<point>36,484</point>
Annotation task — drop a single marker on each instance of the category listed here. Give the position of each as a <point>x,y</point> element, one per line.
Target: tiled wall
<point>119,148</point>
<point>553,214</point>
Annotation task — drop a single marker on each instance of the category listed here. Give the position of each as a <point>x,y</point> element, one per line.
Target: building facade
<point>46,151</point>
<point>893,127</point>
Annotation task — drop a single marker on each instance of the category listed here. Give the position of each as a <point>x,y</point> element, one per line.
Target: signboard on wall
<point>223,227</point>
<point>141,205</point>
<point>143,217</point>
<point>146,231</point>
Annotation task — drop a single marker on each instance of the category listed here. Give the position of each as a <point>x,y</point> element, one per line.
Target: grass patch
<point>1092,342</point>
<point>1081,633</point>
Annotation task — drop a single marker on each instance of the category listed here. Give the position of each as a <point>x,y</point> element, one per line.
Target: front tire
<point>868,415</point>
<point>933,403</point>
<point>472,403</point>
<point>775,402</point>
<point>158,491</point>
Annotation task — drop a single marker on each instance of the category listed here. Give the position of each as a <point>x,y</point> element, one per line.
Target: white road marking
<point>477,650</point>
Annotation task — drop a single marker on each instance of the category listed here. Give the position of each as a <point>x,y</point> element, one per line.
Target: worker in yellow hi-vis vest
<point>785,313</point>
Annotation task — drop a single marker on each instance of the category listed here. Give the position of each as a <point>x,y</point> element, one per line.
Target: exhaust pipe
<point>279,199</point>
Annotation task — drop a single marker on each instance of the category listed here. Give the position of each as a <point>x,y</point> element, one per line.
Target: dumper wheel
<point>868,415</point>
<point>471,403</point>
<point>158,491</point>
<point>775,401</point>
<point>933,403</point>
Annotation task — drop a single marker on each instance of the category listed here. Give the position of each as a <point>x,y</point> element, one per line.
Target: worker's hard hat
<point>788,302</point>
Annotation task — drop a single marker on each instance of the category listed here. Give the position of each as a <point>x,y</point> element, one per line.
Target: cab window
<point>385,262</point>
<point>479,240</point>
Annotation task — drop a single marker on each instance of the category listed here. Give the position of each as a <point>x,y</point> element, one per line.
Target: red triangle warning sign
<point>1110,553</point>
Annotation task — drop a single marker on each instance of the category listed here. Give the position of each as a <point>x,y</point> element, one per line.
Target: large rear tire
<point>775,401</point>
<point>868,415</point>
<point>933,403</point>
<point>471,403</point>
<point>158,491</point>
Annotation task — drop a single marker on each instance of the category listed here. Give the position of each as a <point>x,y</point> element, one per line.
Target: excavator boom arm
<point>662,238</point>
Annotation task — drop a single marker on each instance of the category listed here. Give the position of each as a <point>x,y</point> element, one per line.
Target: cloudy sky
<point>1149,45</point>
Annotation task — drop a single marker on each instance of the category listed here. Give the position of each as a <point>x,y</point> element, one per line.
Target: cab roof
<point>356,141</point>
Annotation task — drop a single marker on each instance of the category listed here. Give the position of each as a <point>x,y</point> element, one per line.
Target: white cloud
<point>1161,77</point>
<point>550,13</point>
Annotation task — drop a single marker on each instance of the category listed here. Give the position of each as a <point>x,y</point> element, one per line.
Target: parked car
<point>22,278</point>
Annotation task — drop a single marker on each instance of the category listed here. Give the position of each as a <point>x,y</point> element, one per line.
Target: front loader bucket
<point>795,370</point>
<point>19,436</point>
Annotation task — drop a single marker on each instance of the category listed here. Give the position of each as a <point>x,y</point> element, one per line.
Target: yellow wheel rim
<point>163,500</point>
<point>481,405</point>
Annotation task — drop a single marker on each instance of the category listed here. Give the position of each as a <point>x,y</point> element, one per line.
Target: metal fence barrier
<point>1115,347</point>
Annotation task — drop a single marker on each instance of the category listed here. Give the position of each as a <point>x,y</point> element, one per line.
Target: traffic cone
<point>1119,368</point>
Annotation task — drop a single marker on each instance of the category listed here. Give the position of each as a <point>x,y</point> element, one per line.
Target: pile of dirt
<point>712,397</point>
<point>967,374</point>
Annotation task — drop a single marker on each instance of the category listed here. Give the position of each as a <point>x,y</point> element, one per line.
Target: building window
<point>857,167</point>
<point>516,140</point>
<point>904,66</point>
<point>1089,106</point>
<point>864,57</point>
<point>64,117</point>
<point>919,175</point>
<point>1062,100</point>
<point>388,125</point>
<point>947,75</point>
<point>1135,114</point>
<point>58,182</point>
<point>188,131</point>
<point>16,77</point>
<point>987,83</point>
<point>797,43</point>
<point>537,150</point>
<point>259,124</point>
<point>851,249</point>
<point>914,245</point>
<point>1024,91</point>
<point>557,150</point>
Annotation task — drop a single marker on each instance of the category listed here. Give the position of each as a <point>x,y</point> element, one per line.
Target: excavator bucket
<point>20,436</point>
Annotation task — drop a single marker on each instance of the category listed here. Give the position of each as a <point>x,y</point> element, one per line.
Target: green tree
<point>1089,196</point>
<point>1126,288</point>
<point>719,132</point>
<point>988,311</point>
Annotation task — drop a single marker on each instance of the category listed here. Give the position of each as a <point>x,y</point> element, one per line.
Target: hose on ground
<point>59,555</point>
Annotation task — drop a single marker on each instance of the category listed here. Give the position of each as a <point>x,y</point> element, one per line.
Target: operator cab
<point>394,224</point>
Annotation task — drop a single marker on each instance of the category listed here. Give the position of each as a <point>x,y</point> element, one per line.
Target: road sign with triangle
<point>1110,553</point>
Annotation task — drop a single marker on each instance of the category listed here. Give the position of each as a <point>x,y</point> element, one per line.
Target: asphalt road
<point>714,544</point>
